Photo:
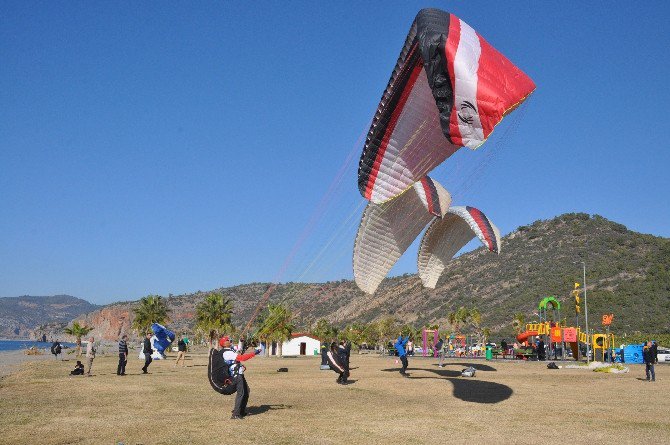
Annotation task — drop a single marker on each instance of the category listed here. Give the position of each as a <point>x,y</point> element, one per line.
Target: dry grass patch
<point>505,403</point>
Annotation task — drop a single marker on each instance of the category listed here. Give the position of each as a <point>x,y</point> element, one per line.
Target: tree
<point>324,331</point>
<point>459,318</point>
<point>465,317</point>
<point>486,332</point>
<point>276,326</point>
<point>370,334</point>
<point>151,309</point>
<point>388,328</point>
<point>353,333</point>
<point>519,322</point>
<point>213,316</point>
<point>78,331</point>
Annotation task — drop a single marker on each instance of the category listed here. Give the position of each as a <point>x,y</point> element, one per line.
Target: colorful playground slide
<point>575,351</point>
<point>523,337</point>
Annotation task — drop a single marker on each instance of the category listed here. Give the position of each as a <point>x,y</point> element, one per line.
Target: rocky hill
<point>19,316</point>
<point>628,274</point>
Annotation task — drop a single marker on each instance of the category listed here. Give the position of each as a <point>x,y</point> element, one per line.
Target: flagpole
<point>586,316</point>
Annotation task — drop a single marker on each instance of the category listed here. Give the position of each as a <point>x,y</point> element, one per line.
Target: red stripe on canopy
<point>391,126</point>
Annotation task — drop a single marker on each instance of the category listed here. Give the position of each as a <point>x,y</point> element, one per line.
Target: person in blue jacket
<point>402,354</point>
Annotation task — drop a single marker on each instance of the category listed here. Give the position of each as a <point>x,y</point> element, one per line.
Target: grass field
<point>507,402</point>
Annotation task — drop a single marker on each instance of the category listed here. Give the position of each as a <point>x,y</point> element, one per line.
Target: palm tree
<point>78,331</point>
<point>324,330</point>
<point>151,309</point>
<point>459,318</point>
<point>213,315</point>
<point>276,326</point>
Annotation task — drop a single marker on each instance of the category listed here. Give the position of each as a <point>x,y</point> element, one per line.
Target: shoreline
<point>11,360</point>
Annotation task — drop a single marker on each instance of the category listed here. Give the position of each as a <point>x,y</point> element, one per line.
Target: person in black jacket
<point>649,356</point>
<point>540,350</point>
<point>343,355</point>
<point>334,362</point>
<point>78,369</point>
<point>147,350</point>
<point>56,348</point>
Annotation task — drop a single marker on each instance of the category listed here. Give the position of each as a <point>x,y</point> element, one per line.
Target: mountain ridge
<point>628,274</point>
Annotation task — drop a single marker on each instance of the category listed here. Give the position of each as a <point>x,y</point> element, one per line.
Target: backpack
<point>552,365</point>
<point>468,372</point>
<point>219,373</point>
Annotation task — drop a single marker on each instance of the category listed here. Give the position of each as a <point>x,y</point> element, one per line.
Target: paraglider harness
<point>222,378</point>
<point>468,372</point>
<point>55,348</point>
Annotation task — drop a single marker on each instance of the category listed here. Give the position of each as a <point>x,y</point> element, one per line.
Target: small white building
<point>300,344</point>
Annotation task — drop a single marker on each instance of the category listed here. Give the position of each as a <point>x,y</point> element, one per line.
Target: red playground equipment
<point>424,334</point>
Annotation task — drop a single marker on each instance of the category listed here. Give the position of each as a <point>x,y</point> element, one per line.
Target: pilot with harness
<point>226,374</point>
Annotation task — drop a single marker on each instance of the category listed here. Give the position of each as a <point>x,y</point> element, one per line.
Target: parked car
<point>418,350</point>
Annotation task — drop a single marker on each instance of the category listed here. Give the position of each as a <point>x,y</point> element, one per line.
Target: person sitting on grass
<point>78,369</point>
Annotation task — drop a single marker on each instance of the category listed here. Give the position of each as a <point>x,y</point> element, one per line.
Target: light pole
<point>586,312</point>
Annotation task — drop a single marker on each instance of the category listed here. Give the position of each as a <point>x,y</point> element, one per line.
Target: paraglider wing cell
<point>446,236</point>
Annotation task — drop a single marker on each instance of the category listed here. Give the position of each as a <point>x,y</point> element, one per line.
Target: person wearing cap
<point>234,361</point>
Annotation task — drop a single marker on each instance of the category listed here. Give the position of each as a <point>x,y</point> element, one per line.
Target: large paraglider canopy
<point>446,236</point>
<point>449,89</point>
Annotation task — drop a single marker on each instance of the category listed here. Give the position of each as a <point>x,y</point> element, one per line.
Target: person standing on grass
<point>123,356</point>
<point>343,354</point>
<point>649,360</point>
<point>56,348</point>
<point>402,354</point>
<point>334,362</point>
<point>233,361</point>
<point>181,352</point>
<point>439,351</point>
<point>147,350</point>
<point>90,355</point>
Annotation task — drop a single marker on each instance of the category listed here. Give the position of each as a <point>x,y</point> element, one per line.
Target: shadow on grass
<point>477,366</point>
<point>255,410</point>
<point>466,388</point>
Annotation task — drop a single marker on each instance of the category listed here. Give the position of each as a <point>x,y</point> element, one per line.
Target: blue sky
<point>171,148</point>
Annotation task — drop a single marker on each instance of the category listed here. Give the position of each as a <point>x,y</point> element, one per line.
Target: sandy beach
<point>10,361</point>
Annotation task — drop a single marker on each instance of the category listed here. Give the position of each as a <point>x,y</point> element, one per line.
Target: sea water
<point>17,345</point>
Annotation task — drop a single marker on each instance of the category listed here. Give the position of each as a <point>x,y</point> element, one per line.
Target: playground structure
<point>424,336</point>
<point>558,337</point>
<point>455,341</point>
